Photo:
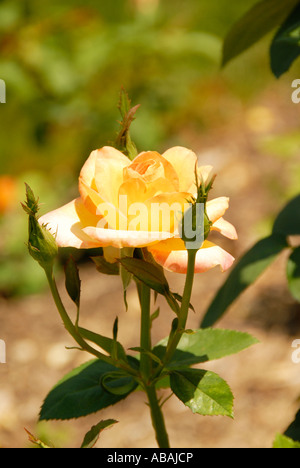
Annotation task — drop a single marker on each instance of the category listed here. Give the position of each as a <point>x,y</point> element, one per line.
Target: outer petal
<point>103,172</point>
<point>225,228</point>
<point>184,162</point>
<point>216,208</point>
<point>120,238</point>
<point>173,256</point>
<point>67,223</point>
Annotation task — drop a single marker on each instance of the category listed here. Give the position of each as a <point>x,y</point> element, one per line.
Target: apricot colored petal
<point>184,162</point>
<point>216,208</point>
<point>98,207</point>
<point>225,228</point>
<point>122,238</point>
<point>173,256</point>
<point>103,172</point>
<point>135,191</point>
<point>169,171</point>
<point>67,223</point>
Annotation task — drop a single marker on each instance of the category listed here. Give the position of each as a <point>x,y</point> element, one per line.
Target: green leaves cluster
<point>261,19</point>
<point>257,259</point>
<point>115,374</point>
<point>96,385</point>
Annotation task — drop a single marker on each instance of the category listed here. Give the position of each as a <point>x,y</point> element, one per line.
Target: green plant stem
<point>68,322</point>
<point>145,362</point>
<point>185,305</point>
<point>157,418</point>
<point>146,368</point>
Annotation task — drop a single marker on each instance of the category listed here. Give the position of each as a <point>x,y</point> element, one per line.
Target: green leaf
<point>245,273</point>
<point>285,47</point>
<point>293,274</point>
<point>281,441</point>
<point>147,273</point>
<point>262,18</point>
<point>107,344</point>
<point>73,283</point>
<point>118,383</point>
<point>93,434</point>
<point>205,345</point>
<point>105,267</point>
<point>204,392</point>
<point>80,393</point>
<point>293,431</point>
<point>287,222</point>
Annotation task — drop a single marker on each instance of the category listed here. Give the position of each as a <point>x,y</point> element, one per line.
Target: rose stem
<point>146,368</point>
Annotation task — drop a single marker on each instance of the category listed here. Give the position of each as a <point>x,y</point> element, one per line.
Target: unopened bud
<point>41,244</point>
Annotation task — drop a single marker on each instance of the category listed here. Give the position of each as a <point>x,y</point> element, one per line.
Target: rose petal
<point>122,238</point>
<point>225,228</point>
<point>67,223</point>
<point>184,162</point>
<point>141,166</point>
<point>173,256</point>
<point>103,172</point>
<point>216,208</point>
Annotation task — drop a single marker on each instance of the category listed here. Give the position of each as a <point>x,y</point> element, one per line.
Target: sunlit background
<point>64,63</point>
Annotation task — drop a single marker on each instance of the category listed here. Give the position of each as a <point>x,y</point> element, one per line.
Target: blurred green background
<point>64,63</point>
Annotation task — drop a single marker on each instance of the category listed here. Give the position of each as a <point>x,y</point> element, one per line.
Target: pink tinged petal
<point>66,225</point>
<point>216,208</point>
<point>225,228</point>
<point>184,162</point>
<point>172,255</point>
<point>122,238</point>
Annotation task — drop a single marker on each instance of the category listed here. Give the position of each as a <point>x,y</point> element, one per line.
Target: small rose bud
<point>41,244</point>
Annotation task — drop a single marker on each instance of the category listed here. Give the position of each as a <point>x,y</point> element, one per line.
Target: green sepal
<point>107,344</point>
<point>105,267</point>
<point>147,273</point>
<point>72,280</point>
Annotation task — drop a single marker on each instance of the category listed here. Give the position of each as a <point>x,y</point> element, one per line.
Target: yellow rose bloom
<point>125,203</point>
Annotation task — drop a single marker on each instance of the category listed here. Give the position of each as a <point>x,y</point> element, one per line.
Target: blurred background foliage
<point>64,63</point>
